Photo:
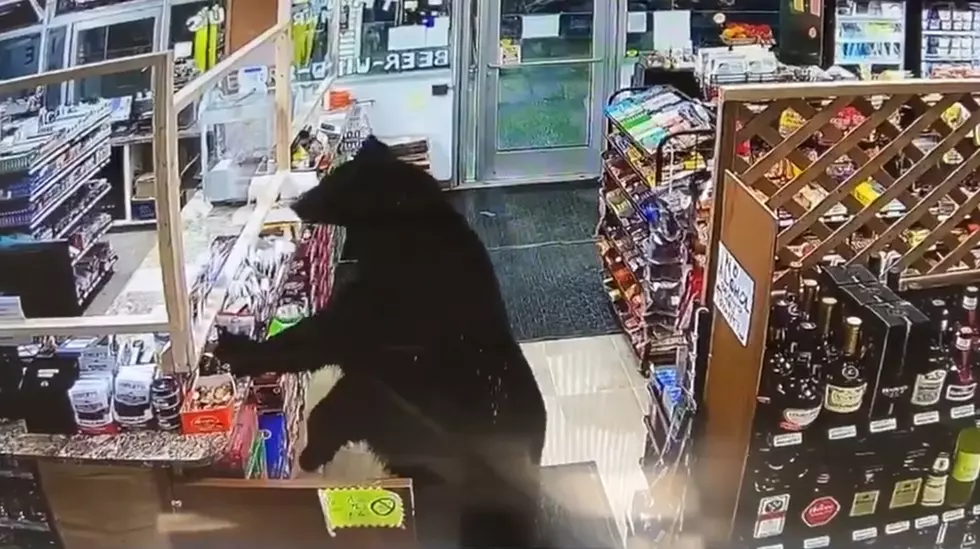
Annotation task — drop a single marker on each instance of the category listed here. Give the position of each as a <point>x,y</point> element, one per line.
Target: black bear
<point>433,378</point>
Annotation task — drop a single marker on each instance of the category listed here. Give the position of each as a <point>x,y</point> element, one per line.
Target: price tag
<point>816,543</point>
<point>926,418</point>
<point>954,514</point>
<point>897,527</point>
<point>960,412</point>
<point>976,510</point>
<point>864,533</point>
<point>926,522</point>
<point>787,439</point>
<point>845,431</point>
<point>776,546</point>
<point>883,425</point>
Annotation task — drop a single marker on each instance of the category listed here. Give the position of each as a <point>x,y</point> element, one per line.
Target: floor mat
<point>575,513</point>
<point>531,214</point>
<point>554,291</point>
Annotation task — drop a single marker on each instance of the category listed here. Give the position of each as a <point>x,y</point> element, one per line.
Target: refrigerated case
<point>869,37</point>
<point>950,39</point>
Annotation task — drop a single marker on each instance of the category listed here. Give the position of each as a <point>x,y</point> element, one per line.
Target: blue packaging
<point>273,429</point>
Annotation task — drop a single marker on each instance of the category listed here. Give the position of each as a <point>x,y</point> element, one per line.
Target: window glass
<point>311,39</point>
<point>17,15</point>
<point>705,32</point>
<point>113,42</point>
<point>69,6</point>
<point>385,36</point>
<point>55,61</point>
<point>197,37</point>
<point>19,57</point>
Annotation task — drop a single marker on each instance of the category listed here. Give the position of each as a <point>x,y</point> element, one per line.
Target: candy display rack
<point>654,169</point>
<point>901,204</point>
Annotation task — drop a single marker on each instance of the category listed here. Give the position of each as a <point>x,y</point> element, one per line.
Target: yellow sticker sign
<point>362,508</point>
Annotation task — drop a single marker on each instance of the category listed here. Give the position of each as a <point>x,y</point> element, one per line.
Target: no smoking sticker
<point>361,508</point>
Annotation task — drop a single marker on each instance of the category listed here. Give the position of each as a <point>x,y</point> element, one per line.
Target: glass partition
<point>385,37</point>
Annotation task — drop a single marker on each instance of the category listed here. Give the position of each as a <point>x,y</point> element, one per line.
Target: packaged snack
<point>91,401</point>
<point>131,401</point>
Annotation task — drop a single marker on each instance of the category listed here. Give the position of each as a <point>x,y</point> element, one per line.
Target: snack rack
<point>649,210</point>
<point>49,193</point>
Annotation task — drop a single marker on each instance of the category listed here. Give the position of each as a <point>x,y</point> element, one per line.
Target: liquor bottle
<point>966,467</point>
<point>967,313</point>
<point>809,291</point>
<point>867,493</point>
<point>846,384</point>
<point>778,471</point>
<point>825,323</point>
<point>907,484</point>
<point>822,506</point>
<point>969,538</point>
<point>778,367</point>
<point>927,387</point>
<point>893,279</point>
<point>934,487</point>
<point>800,391</point>
<point>960,383</point>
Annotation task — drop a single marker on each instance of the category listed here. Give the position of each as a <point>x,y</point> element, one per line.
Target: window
<point>55,61</point>
<point>114,41</point>
<point>17,14</point>
<point>19,57</point>
<point>387,36</point>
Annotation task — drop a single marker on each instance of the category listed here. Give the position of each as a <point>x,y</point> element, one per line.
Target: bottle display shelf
<point>865,428</point>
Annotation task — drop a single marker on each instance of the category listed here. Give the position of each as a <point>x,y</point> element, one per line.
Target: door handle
<point>557,62</point>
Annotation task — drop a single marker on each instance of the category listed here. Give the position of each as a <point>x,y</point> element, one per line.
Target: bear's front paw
<point>240,353</point>
<point>310,461</point>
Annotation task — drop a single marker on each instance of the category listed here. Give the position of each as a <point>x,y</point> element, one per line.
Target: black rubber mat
<point>554,291</point>
<point>531,214</point>
<point>575,513</point>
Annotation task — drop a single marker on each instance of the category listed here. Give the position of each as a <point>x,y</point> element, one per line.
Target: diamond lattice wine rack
<point>818,173</point>
<point>853,170</point>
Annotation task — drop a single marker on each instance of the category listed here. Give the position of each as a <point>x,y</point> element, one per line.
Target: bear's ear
<point>373,149</point>
<point>323,204</point>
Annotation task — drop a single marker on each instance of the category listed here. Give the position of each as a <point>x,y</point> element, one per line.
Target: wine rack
<point>807,176</point>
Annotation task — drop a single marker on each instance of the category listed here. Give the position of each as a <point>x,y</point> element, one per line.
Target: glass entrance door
<point>545,74</point>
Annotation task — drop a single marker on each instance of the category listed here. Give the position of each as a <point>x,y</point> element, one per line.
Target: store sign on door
<point>396,62</point>
<point>734,294</point>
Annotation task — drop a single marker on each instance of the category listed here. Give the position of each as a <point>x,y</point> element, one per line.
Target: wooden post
<point>170,240</point>
<point>744,246</point>
<point>284,95</point>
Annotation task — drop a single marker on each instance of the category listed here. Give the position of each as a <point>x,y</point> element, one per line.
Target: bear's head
<point>373,188</point>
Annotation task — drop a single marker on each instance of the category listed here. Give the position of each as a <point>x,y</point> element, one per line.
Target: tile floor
<point>595,398</point>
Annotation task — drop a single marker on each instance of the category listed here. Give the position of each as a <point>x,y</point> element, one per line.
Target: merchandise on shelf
<point>49,193</point>
<point>655,175</point>
<point>25,520</point>
<point>870,35</point>
<point>950,41</point>
<point>865,430</point>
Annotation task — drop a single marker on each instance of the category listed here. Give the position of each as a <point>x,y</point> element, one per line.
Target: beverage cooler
<point>869,37</point>
<point>950,39</point>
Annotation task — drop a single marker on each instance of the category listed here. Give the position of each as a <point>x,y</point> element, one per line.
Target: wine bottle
<point>966,467</point>
<point>934,488</point>
<point>930,375</point>
<point>960,384</point>
<point>846,384</point>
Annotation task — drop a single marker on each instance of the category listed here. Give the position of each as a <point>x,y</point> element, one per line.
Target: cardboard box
<point>896,335</point>
<point>213,420</point>
<point>839,276</point>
